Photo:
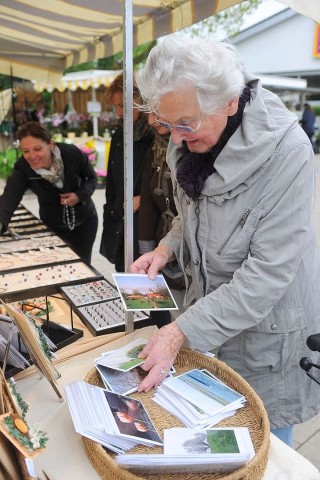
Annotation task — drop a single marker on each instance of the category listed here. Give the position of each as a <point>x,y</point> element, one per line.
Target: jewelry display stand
<point>34,243</point>
<point>35,349</point>
<point>17,261</point>
<point>35,282</point>
<point>60,335</point>
<point>99,306</point>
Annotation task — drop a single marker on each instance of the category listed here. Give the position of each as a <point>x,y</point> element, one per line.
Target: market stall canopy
<point>39,39</point>
<point>83,80</point>
<point>5,99</point>
<point>308,8</point>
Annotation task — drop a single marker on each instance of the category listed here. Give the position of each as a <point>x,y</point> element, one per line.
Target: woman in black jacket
<point>112,241</point>
<point>63,179</point>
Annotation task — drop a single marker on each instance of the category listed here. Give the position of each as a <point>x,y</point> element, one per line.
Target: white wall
<point>284,48</point>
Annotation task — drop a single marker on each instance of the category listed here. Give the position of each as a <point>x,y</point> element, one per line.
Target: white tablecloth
<point>65,458</point>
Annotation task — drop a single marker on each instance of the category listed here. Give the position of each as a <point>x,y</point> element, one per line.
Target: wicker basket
<point>254,416</point>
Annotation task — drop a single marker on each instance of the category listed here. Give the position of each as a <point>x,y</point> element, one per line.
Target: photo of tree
<point>138,292</point>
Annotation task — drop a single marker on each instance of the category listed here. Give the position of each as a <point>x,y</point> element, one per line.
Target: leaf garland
<point>33,440</point>
<point>22,404</point>
<point>42,337</point>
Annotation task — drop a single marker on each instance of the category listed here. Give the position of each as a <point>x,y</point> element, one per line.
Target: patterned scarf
<point>159,163</point>
<point>55,174</point>
<point>194,168</point>
<point>141,128</point>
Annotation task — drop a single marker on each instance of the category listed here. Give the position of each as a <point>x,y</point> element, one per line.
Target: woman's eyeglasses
<point>187,130</point>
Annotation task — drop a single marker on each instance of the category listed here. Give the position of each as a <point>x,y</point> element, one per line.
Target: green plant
<point>7,160</point>
<point>22,404</point>
<point>316,110</point>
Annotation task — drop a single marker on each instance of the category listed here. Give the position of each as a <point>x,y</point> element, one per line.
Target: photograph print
<point>187,441</point>
<point>138,292</point>
<point>131,418</point>
<point>124,358</point>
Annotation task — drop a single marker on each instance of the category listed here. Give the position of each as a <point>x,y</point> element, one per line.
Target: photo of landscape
<point>138,292</point>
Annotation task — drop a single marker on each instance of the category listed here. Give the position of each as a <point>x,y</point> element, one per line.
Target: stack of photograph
<point>115,421</point>
<point>186,450</point>
<point>198,398</point>
<point>120,369</point>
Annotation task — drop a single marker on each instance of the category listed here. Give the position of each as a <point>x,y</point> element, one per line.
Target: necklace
<point>66,217</point>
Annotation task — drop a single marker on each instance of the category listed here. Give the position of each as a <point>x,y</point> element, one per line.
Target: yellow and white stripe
<point>38,38</point>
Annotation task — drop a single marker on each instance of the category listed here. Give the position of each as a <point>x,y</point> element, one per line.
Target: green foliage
<point>46,100</point>
<point>316,110</point>
<point>115,62</point>
<point>7,160</point>
<point>22,404</point>
<point>37,439</point>
<point>6,81</point>
<point>15,433</point>
<point>230,20</point>
<point>134,351</point>
<point>42,337</point>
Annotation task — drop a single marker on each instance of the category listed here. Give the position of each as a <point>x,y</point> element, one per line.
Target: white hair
<point>214,69</point>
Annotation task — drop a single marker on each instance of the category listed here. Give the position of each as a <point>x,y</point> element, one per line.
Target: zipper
<point>240,223</point>
<point>197,208</point>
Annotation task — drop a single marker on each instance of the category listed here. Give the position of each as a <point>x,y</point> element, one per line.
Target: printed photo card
<point>138,292</point>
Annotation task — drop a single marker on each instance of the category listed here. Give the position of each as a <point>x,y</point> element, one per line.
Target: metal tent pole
<point>128,143</point>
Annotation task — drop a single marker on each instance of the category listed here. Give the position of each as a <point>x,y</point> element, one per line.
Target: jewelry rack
<point>90,292</point>
<point>60,335</point>
<point>34,344</point>
<point>109,317</point>
<point>98,305</point>
<point>45,280</point>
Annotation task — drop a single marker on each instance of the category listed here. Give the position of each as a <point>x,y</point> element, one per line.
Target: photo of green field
<point>138,292</point>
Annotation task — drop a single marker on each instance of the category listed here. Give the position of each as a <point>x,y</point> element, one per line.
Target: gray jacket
<point>249,246</point>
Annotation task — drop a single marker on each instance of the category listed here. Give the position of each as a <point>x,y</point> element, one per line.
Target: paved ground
<point>306,435</point>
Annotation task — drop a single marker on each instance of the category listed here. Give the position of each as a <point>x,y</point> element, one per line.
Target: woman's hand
<point>160,353</point>
<point>70,199</point>
<point>136,203</point>
<point>152,262</point>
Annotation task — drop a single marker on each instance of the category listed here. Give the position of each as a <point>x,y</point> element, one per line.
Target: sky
<point>129,283</point>
<point>265,10</point>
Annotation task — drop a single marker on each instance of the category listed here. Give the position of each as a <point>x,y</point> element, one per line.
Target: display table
<point>65,457</point>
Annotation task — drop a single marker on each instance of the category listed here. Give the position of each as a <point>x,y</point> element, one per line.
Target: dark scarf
<point>141,128</point>
<point>194,168</point>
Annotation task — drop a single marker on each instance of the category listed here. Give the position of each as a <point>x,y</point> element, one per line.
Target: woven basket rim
<point>254,415</point>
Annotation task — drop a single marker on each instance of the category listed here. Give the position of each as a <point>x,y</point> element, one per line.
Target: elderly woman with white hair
<point>243,173</point>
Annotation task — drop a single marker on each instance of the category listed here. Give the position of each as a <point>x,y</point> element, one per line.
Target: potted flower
<point>89,150</point>
<point>101,176</point>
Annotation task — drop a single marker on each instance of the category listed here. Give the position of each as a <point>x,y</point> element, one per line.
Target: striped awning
<point>5,102</point>
<point>38,39</point>
<point>83,79</point>
<point>308,8</point>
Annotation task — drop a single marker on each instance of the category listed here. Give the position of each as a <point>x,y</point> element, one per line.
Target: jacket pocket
<point>276,343</point>
<point>234,233</point>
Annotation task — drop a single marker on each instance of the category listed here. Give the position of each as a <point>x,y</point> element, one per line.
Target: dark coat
<point>112,242</point>
<point>308,122</point>
<point>157,207</point>
<point>79,177</point>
